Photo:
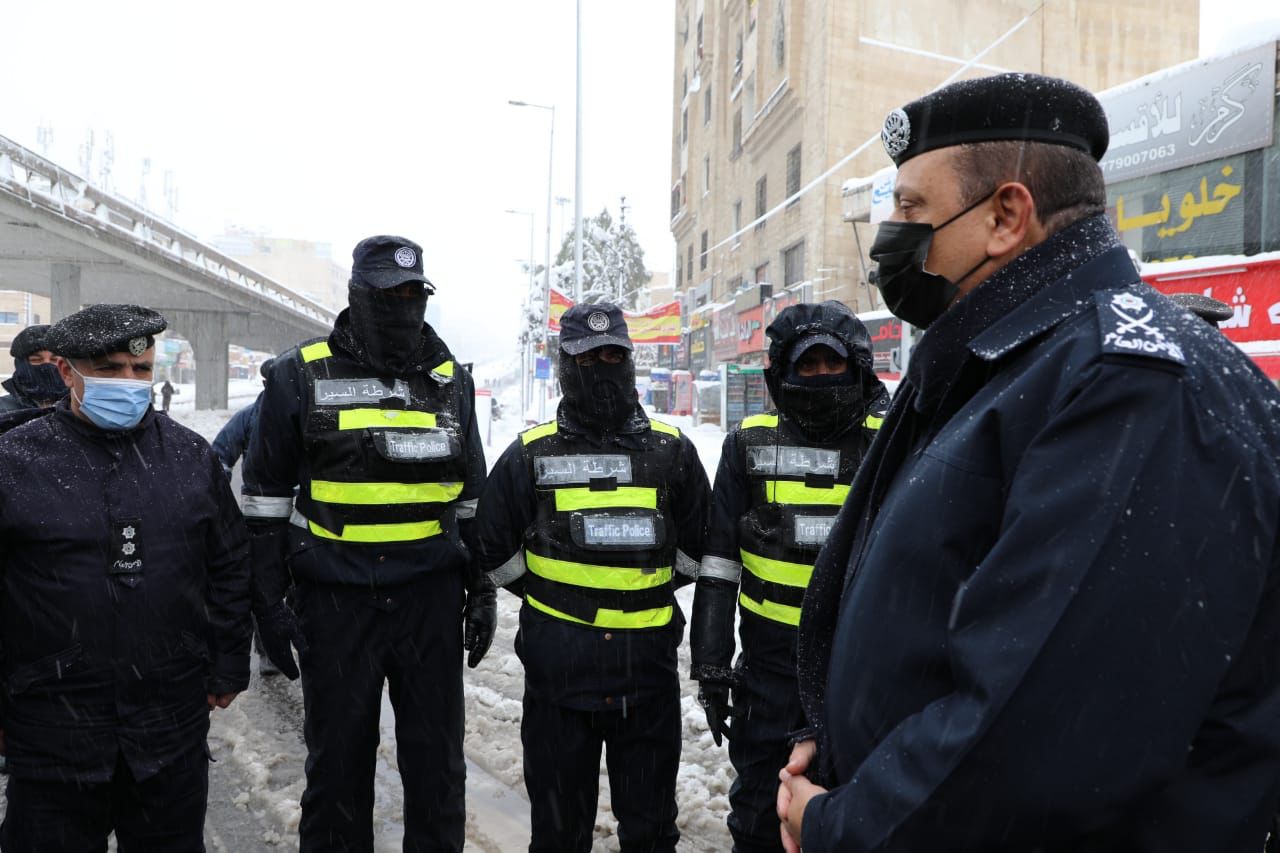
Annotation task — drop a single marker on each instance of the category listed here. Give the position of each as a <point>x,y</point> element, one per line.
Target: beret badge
<point>896,133</point>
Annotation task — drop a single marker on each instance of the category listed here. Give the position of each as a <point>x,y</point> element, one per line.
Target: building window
<point>702,263</point>
<point>737,134</point>
<point>706,105</point>
<point>679,273</point>
<point>706,173</point>
<point>8,317</point>
<point>762,198</point>
<point>737,216</point>
<point>780,34</point>
<point>685,32</point>
<point>684,84</point>
<point>762,273</point>
<point>793,264</point>
<point>675,200</point>
<point>751,15</point>
<point>735,284</point>
<point>793,171</point>
<point>699,36</point>
<point>737,58</point>
<point>689,274</point>
<point>684,127</point>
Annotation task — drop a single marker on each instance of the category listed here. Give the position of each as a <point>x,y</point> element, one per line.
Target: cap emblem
<point>598,322</point>
<point>137,346</point>
<point>405,257</point>
<point>896,133</point>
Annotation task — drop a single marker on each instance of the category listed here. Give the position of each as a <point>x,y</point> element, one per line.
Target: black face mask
<point>39,382</point>
<point>913,294</point>
<point>387,326</point>
<point>602,395</point>
<point>824,407</point>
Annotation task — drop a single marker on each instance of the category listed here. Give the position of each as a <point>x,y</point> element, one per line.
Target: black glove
<point>714,696</point>
<point>480,618</point>
<point>278,629</point>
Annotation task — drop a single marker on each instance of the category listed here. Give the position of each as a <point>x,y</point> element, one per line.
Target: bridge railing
<point>44,184</point>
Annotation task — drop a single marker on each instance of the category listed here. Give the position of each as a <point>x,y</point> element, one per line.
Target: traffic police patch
<point>405,257</point>
<point>1133,324</point>
<point>137,346</point>
<point>598,322</point>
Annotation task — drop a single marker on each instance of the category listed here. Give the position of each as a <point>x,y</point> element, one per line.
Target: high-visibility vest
<point>601,550</point>
<point>796,488</point>
<point>385,458</point>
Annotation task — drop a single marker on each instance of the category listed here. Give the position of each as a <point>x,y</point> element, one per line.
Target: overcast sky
<point>383,117</point>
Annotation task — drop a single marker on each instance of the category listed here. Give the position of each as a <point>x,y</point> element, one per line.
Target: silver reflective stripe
<point>719,567</point>
<point>466,509</point>
<point>686,565</point>
<point>257,506</point>
<point>297,519</point>
<point>787,461</point>
<point>510,570</point>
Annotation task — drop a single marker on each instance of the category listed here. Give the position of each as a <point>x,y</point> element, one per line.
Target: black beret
<point>1019,107</point>
<point>387,261</point>
<point>30,340</point>
<point>105,328</point>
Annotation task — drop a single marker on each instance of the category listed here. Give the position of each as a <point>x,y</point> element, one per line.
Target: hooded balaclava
<point>602,395</point>
<point>387,326</point>
<point>41,383</point>
<point>823,407</point>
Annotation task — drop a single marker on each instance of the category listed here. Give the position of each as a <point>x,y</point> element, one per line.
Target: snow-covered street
<point>257,742</point>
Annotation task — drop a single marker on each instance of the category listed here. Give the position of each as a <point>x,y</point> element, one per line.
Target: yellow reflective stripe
<point>760,421</point>
<point>567,500</point>
<point>617,619</point>
<point>444,368</point>
<point>596,577</point>
<point>873,422</point>
<point>777,571</point>
<point>788,492</point>
<point>363,418</point>
<point>372,533</point>
<point>659,426</point>
<point>783,613</point>
<point>328,491</point>
<point>540,431</point>
<point>316,351</point>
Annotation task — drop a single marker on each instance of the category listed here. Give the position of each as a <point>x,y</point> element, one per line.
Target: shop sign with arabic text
<point>1204,112</point>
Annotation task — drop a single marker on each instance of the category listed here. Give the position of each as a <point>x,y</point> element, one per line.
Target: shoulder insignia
<point>443,372</point>
<point>532,434</point>
<point>315,351</point>
<point>873,422</point>
<point>659,426</point>
<point>767,420</point>
<point>1133,323</point>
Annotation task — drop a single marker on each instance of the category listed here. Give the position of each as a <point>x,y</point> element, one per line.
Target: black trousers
<point>767,707</point>
<point>562,773</point>
<point>409,636</point>
<point>164,814</point>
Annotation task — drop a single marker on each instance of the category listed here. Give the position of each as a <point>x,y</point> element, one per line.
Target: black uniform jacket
<point>1048,615</point>
<point>276,462</point>
<point>124,596</point>
<point>577,666</point>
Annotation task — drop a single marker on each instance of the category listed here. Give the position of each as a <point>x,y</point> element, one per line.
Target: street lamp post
<point>526,381</point>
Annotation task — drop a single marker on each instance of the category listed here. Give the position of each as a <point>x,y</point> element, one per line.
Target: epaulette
<point>1135,324</point>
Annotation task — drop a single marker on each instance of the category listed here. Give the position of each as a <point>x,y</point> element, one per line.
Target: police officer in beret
<point>35,382</point>
<point>375,427</point>
<point>782,477</point>
<point>124,603</point>
<point>593,519</point>
<point>1047,615</point>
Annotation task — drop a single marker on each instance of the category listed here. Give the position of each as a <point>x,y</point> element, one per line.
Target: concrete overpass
<point>63,238</point>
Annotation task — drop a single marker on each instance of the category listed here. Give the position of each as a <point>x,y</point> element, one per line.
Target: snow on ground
<point>260,735</point>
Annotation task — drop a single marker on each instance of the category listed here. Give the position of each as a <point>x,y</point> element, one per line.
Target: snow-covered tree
<point>612,262</point>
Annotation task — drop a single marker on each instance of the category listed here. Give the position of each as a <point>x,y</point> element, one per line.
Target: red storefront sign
<point>1251,288</point>
<point>751,330</point>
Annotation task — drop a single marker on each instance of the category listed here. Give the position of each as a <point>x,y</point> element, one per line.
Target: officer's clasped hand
<point>278,629</point>
<point>480,619</point>
<point>714,698</point>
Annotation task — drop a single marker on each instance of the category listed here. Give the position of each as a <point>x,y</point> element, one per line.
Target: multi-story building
<point>18,309</point>
<point>769,94</point>
<point>303,265</point>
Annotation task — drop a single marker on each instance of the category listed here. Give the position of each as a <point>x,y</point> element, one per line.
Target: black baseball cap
<point>588,327</point>
<point>387,261</point>
<point>809,341</point>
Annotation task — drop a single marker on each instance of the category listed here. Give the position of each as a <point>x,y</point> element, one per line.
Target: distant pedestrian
<point>166,394</point>
<point>124,604</point>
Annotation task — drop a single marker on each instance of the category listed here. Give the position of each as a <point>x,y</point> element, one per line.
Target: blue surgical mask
<point>114,404</point>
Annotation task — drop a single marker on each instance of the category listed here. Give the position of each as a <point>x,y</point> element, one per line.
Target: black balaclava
<point>602,395</point>
<point>387,326</point>
<point>824,407</point>
<point>41,383</point>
